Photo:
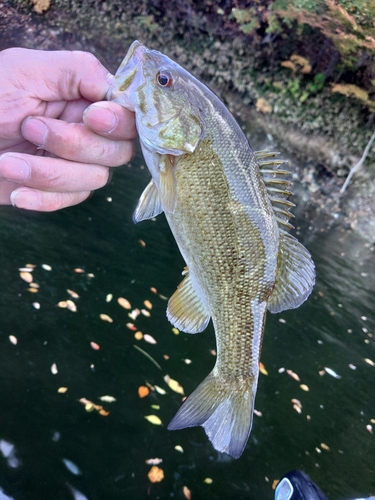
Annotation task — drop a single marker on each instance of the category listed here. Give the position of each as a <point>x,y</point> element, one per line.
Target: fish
<point>228,209</point>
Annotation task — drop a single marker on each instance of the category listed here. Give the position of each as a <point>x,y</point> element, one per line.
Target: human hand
<point>54,149</point>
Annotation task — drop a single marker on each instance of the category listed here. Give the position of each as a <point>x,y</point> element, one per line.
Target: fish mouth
<point>129,75</point>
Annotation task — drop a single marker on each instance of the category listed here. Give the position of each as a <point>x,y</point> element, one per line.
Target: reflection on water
<point>53,447</point>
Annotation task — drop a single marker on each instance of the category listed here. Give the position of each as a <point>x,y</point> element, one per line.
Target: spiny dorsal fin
<point>149,204</point>
<point>186,310</point>
<point>295,276</point>
<point>276,186</point>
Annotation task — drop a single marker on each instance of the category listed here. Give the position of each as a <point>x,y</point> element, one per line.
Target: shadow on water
<point>51,447</point>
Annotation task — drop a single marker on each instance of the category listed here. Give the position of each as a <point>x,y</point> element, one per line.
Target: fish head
<point>167,100</point>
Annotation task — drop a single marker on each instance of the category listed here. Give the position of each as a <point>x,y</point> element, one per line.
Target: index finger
<point>57,75</point>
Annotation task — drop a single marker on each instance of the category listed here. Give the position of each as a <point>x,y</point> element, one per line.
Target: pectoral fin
<point>149,204</point>
<point>295,276</point>
<point>168,188</point>
<point>185,310</point>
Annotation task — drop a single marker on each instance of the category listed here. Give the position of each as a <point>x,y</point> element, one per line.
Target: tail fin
<point>223,408</point>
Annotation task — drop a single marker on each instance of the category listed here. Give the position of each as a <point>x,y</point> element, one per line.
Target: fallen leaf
<point>71,306</point>
<point>143,391</point>
<point>304,387</point>
<point>103,412</point>
<point>174,385</point>
<point>179,448</point>
<point>32,290</point>
<point>262,369</point>
<point>188,361</point>
<point>153,419</point>
<point>26,276</point>
<point>155,474</point>
<point>13,339</point>
<point>26,269</point>
<point>293,375</point>
<point>275,482</point>
<point>62,304</point>
<point>107,318</point>
<point>34,285</point>
<point>153,290</point>
<point>124,303</point>
<point>148,304</point>
<point>142,243</point>
<point>138,335</point>
<point>131,327</point>
<point>46,267</point>
<point>145,313</point>
<point>258,413</point>
<point>160,390</point>
<point>369,361</point>
<point>108,297</point>
<point>325,447</point>
<point>95,346</point>
<point>36,305</point>
<point>62,390</point>
<point>54,369</point>
<point>107,399</point>
<point>78,270</point>
<point>208,480</point>
<point>154,461</point>
<point>134,314</point>
<point>186,492</point>
<point>332,372</point>
<point>148,338</point>
<point>175,331</point>
<point>263,106</point>
<point>369,428</point>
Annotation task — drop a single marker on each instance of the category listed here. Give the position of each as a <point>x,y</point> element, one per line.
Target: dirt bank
<point>327,131</point>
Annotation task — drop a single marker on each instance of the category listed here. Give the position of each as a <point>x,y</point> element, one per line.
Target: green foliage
<point>247,19</point>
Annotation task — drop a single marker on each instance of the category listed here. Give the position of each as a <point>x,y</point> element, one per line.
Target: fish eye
<point>164,78</point>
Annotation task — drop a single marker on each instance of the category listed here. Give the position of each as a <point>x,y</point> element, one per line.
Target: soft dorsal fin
<point>295,275</point>
<point>185,310</point>
<point>149,204</point>
<point>276,185</point>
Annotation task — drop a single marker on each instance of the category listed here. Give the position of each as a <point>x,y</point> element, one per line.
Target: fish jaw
<point>128,78</point>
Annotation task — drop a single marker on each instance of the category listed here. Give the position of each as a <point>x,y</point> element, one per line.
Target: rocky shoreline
<point>326,132</point>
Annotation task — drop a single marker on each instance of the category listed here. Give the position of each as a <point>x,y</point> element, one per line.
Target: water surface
<point>51,448</point>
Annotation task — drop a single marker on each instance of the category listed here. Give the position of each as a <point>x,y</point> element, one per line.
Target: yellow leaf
<point>174,385</point>
<point>138,335</point>
<point>369,361</point>
<point>107,318</point>
<point>153,419</point>
<point>62,390</point>
<point>148,304</point>
<point>155,474</point>
<point>304,387</point>
<point>208,480</point>
<point>262,369</point>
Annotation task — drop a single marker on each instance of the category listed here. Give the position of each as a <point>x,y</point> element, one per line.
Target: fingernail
<point>104,120</point>
<point>14,168</point>
<point>35,131</point>
<point>25,198</point>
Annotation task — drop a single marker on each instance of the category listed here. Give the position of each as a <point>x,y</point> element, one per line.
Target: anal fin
<point>186,310</point>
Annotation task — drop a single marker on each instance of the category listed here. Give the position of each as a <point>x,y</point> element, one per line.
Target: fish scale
<point>227,208</point>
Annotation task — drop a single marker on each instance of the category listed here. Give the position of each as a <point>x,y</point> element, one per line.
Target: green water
<point>51,448</point>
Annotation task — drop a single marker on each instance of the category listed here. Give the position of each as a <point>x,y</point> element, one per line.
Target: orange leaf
<point>143,391</point>
<point>155,474</point>
<point>186,492</point>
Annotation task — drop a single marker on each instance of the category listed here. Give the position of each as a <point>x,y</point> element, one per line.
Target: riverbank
<point>326,131</point>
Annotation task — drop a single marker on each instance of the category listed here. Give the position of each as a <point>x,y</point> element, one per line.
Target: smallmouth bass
<point>228,210</point>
